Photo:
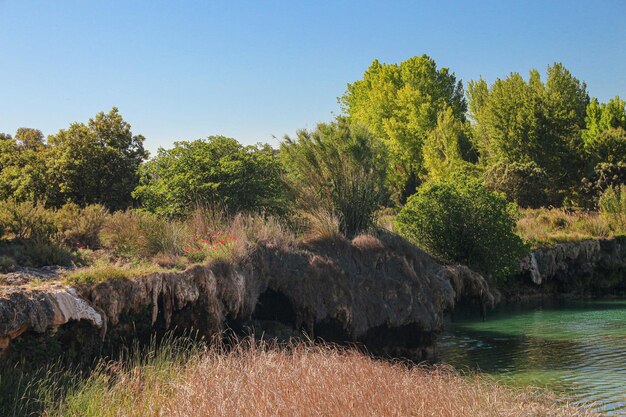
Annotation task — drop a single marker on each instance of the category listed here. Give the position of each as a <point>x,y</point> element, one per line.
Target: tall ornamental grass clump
<point>337,169</point>
<point>613,207</point>
<point>464,223</point>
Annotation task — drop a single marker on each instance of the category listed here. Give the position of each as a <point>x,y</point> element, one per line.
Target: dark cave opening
<point>275,306</point>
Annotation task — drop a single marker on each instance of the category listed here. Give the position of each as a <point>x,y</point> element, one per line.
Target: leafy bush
<point>464,223</point>
<point>36,253</point>
<point>523,183</point>
<point>143,234</point>
<point>7,263</point>
<point>613,207</point>
<point>27,220</point>
<point>81,227</point>
<point>340,169</point>
<point>604,175</point>
<point>205,172</point>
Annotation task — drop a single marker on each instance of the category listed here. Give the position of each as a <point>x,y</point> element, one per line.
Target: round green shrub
<point>464,223</point>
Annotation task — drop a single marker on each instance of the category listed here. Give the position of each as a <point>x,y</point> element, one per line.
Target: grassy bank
<point>545,227</point>
<point>262,380</point>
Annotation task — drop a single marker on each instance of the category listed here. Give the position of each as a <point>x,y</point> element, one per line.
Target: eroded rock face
<point>586,266</point>
<point>38,311</point>
<point>348,290</point>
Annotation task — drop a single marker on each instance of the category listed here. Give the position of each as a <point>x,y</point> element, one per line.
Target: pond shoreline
<point>573,347</point>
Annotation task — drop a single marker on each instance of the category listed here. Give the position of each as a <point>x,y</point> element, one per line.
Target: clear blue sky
<point>252,70</point>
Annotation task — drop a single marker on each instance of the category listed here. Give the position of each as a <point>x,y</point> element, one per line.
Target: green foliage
<point>85,164</point>
<point>605,175</point>
<point>95,163</point>
<point>400,103</point>
<point>339,169</point>
<point>27,220</point>
<point>141,234</point>
<point>7,264</point>
<point>29,138</point>
<point>532,121</point>
<point>22,168</point>
<point>34,233</point>
<point>605,134</point>
<point>80,227</point>
<point>602,117</point>
<point>609,146</point>
<point>523,183</point>
<point>98,274</point>
<point>464,223</point>
<point>448,150</point>
<point>37,254</point>
<point>218,170</point>
<point>613,207</point>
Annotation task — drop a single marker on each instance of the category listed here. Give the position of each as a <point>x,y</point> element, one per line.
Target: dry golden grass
<point>542,227</point>
<point>321,225</point>
<point>257,380</point>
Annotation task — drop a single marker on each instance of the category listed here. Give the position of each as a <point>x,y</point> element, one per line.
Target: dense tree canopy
<point>86,163</point>
<point>23,166</point>
<point>401,103</point>
<point>216,171</point>
<point>519,121</point>
<point>95,163</point>
<point>605,134</point>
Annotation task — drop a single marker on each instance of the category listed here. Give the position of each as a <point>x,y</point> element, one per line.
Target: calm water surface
<point>577,349</point>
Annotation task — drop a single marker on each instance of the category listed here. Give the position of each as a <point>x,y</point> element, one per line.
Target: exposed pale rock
<point>579,266</point>
<point>368,284</point>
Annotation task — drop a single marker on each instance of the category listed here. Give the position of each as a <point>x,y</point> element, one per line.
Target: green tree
<point>95,163</point>
<point>605,134</point>
<point>340,168</point>
<point>521,121</point>
<point>464,223</point>
<point>448,150</point>
<point>22,168</point>
<point>400,103</point>
<point>218,170</point>
<point>29,138</point>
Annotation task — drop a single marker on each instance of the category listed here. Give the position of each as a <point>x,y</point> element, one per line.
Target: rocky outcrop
<point>38,311</point>
<point>340,290</point>
<point>588,266</point>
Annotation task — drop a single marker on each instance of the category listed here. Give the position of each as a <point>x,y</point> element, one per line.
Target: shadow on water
<point>576,348</point>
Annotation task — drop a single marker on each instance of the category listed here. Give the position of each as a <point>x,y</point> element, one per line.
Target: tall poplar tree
<point>400,103</point>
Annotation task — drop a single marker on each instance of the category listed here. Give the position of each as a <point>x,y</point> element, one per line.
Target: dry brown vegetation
<point>255,379</point>
<point>541,227</point>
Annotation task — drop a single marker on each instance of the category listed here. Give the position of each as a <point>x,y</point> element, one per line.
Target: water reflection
<point>575,348</point>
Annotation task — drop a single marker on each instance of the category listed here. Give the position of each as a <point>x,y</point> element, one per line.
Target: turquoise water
<point>577,349</point>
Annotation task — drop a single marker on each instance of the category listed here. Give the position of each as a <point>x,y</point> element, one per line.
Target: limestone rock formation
<point>589,265</point>
<point>341,290</point>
